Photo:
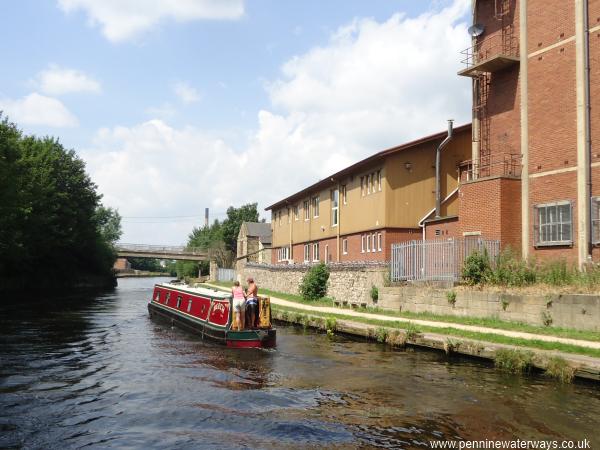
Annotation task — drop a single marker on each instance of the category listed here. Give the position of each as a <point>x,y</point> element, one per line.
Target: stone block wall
<point>347,282</point>
<point>577,311</point>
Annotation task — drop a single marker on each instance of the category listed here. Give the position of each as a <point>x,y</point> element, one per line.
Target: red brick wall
<point>547,20</point>
<point>552,110</point>
<point>492,207</point>
<point>595,82</point>
<point>121,264</point>
<point>388,237</point>
<point>448,229</point>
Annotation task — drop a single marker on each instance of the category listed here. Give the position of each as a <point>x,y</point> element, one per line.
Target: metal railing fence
<point>225,274</point>
<point>436,260</point>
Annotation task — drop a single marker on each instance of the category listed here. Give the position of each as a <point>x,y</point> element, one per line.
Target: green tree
<point>314,283</point>
<point>232,224</point>
<point>108,221</point>
<point>52,225</point>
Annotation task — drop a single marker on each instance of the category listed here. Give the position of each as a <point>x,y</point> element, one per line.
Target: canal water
<point>95,371</point>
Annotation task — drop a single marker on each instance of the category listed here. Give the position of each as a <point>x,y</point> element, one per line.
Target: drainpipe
<point>438,163</point>
<point>588,109</point>
<point>583,132</point>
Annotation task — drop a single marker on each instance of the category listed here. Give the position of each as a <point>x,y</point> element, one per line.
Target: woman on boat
<point>239,306</point>
<point>251,303</point>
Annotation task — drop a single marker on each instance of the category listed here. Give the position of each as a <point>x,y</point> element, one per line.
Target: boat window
<point>157,296</point>
<point>167,298</point>
<point>189,305</point>
<point>178,301</point>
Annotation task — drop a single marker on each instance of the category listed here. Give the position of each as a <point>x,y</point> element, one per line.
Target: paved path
<point>431,323</point>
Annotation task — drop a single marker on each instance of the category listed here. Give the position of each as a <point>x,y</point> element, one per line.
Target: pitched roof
<point>259,229</point>
<point>327,181</point>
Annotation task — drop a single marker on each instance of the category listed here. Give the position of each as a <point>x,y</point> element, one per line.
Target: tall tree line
<point>52,223</point>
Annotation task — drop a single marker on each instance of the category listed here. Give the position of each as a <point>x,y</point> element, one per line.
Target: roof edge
<point>364,162</point>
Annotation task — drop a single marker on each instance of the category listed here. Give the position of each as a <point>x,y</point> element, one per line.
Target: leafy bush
<point>514,361</point>
<point>476,268</point>
<point>314,283</point>
<point>560,369</point>
<point>331,324</point>
<point>374,293</point>
<point>381,334</point>
<point>511,270</point>
<point>556,273</point>
<point>451,297</point>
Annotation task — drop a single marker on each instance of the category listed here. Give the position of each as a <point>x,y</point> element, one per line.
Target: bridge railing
<point>166,249</point>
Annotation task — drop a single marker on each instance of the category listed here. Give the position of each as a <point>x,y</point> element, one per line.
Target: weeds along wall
<point>350,283</point>
<point>576,311</point>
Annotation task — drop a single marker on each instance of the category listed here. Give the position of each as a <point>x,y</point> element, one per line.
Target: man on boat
<point>251,303</point>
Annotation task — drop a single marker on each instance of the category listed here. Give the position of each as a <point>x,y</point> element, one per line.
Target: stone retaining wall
<point>577,311</point>
<point>347,282</point>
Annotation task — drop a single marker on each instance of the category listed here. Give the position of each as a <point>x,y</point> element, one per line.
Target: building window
<point>379,179</point>
<point>345,246</point>
<point>362,186</point>
<point>373,238</point>
<point>326,253</point>
<point>306,210</point>
<point>368,184</point>
<point>306,252</point>
<point>279,215</point>
<point>289,216</point>
<point>335,207</point>
<point>554,224</point>
<point>379,241</point>
<point>296,212</point>
<point>362,244</point>
<point>315,206</point>
<point>316,251</point>
<point>344,195</point>
<point>595,220</point>
<point>368,238</point>
<point>283,254</point>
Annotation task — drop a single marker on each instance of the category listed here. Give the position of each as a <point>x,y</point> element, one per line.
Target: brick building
<point>531,177</point>
<point>535,163</point>
<point>357,213</point>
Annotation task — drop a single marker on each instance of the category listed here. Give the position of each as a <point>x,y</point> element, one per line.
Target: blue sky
<point>180,105</point>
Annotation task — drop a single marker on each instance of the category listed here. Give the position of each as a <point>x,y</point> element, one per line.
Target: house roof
<point>259,229</point>
<point>327,181</point>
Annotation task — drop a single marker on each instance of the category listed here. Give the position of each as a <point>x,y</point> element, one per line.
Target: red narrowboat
<point>209,313</point>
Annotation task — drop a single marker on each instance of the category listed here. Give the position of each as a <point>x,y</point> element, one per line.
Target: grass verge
<point>482,322</point>
<point>449,331</point>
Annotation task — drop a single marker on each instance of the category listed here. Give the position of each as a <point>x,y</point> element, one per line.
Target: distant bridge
<point>161,252</point>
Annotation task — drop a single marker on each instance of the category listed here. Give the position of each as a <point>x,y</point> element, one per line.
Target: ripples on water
<point>94,371</point>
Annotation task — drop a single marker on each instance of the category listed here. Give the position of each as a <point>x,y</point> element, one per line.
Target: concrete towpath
<point>429,323</point>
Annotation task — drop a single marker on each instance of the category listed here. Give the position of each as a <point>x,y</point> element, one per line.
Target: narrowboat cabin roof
<point>195,290</point>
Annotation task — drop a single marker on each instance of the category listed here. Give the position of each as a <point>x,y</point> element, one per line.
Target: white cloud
<point>374,85</point>
<point>36,109</point>
<point>121,20</point>
<point>56,80</point>
<point>186,93</point>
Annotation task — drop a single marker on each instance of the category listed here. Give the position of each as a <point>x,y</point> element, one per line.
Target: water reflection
<point>95,370</point>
